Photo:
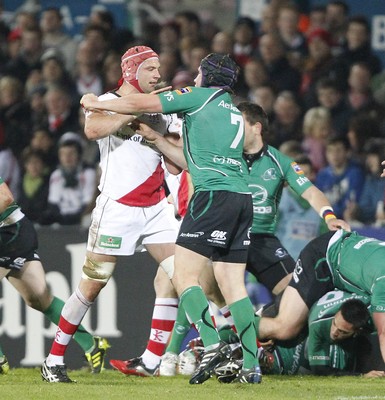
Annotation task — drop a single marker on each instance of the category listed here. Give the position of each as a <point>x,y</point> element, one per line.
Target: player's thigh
<point>293,311</point>
<point>31,284</point>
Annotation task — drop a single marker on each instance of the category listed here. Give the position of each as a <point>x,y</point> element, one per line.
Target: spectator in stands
<point>254,75</point>
<point>189,25</point>
<point>169,65</point>
<point>316,131</point>
<point>317,18</point>
<point>318,64</point>
<point>265,96</point>
<point>33,192</point>
<point>28,58</point>
<point>99,40</point>
<point>51,25</point>
<point>280,73</point>
<point>298,222</point>
<point>362,129</point>
<point>365,210</point>
<point>287,123</point>
<point>268,23</point>
<point>337,14</point>
<point>87,72</point>
<point>61,114</point>
<point>360,97</point>
<point>169,36</point>
<point>111,71</point>
<point>71,186</point>
<point>53,73</point>
<point>357,46</point>
<point>245,41</point>
<point>342,179</point>
<point>293,39</point>
<point>14,115</point>
<point>222,43</point>
<point>43,143</point>
<point>331,96</point>
<point>35,99</point>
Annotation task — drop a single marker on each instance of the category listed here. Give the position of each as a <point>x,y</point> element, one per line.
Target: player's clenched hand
<point>149,134</point>
<point>334,224</point>
<point>89,101</point>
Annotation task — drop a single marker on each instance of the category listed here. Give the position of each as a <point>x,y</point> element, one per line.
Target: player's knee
<point>100,271</point>
<point>168,266</point>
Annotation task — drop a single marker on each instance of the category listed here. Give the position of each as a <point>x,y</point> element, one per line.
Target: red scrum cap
<point>132,60</point>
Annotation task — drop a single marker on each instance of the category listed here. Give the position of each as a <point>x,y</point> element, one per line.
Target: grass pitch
<point>26,384</point>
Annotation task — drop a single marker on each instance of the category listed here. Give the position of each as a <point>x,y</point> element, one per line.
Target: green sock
<point>227,334</point>
<point>257,321</point>
<point>243,314</point>
<point>1,352</point>
<point>82,337</point>
<point>179,332</point>
<point>196,305</point>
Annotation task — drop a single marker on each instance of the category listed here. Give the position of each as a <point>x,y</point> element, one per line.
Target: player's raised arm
<point>131,104</point>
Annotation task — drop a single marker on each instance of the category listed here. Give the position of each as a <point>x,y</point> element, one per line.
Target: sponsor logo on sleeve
<point>297,169</point>
<point>183,90</point>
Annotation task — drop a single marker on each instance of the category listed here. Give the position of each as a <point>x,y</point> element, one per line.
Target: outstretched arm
<point>101,124</point>
<point>318,201</point>
<point>379,322</point>
<point>130,104</point>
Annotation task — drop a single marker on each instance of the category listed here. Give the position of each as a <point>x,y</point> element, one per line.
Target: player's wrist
<point>327,213</point>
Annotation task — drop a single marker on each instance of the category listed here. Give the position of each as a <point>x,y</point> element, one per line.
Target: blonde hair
<point>314,116</point>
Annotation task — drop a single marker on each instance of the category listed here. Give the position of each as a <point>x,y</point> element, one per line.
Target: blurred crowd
<point>314,74</point>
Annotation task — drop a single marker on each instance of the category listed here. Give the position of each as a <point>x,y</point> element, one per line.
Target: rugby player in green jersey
<point>220,211</point>
<point>335,343</point>
<point>21,265</point>
<point>342,260</point>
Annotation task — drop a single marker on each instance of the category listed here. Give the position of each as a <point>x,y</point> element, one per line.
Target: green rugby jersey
<point>266,177</point>
<point>10,209</point>
<point>213,135</point>
<point>321,349</point>
<point>357,265</point>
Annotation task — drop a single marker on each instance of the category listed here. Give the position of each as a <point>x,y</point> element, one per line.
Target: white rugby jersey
<point>132,172</point>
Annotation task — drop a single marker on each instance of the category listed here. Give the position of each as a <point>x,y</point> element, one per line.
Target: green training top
<point>266,176</point>
<point>357,265</point>
<point>213,135</point>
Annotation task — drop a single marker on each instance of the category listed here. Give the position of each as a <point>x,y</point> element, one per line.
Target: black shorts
<point>312,277</point>
<point>18,244</point>
<point>268,260</point>
<point>217,225</point>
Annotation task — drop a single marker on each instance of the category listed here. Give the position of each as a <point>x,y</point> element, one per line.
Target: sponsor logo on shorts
<point>219,235</point>
<point>246,242</point>
<point>280,252</point>
<point>111,242</point>
<point>192,235</point>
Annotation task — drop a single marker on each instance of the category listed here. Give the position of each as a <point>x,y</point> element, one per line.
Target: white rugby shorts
<point>117,229</point>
